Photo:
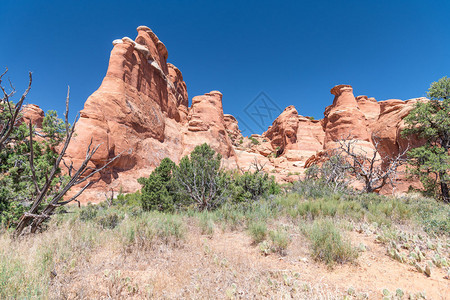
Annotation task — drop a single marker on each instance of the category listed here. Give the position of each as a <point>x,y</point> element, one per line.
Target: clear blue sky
<point>293,51</point>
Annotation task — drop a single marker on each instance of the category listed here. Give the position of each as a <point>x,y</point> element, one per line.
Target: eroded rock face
<point>344,119</point>
<point>141,111</point>
<point>33,113</point>
<point>206,124</point>
<point>232,128</point>
<point>362,119</point>
<point>283,132</point>
<point>390,124</point>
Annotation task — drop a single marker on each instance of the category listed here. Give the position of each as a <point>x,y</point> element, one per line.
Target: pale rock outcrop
<point>283,132</point>
<point>369,107</point>
<point>390,124</point>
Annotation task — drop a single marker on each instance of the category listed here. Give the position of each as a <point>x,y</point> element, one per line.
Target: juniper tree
<point>431,121</point>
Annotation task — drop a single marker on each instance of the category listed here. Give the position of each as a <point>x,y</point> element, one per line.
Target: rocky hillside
<point>141,110</point>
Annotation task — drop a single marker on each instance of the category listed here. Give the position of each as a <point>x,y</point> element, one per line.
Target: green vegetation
<point>158,189</point>
<point>272,222</point>
<point>258,231</point>
<point>254,141</point>
<point>200,181</point>
<point>431,121</point>
<point>328,244</point>
<point>16,180</point>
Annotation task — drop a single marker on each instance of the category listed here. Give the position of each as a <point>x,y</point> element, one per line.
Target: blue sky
<point>292,51</point>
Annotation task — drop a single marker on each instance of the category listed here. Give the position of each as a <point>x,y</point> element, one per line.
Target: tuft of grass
<point>280,240</point>
<point>328,244</point>
<point>109,220</point>
<point>206,223</point>
<point>146,229</point>
<point>27,265</point>
<point>258,231</point>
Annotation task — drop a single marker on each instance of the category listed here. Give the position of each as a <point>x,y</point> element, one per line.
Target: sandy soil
<point>228,266</point>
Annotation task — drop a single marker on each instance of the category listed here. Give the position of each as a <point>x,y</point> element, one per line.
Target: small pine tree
<point>158,189</point>
<point>201,179</point>
<point>16,185</point>
<point>431,121</point>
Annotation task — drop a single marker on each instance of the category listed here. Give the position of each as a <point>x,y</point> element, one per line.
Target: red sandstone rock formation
<point>141,110</point>
<point>295,137</point>
<point>206,124</point>
<point>232,128</point>
<point>33,113</point>
<point>344,118</point>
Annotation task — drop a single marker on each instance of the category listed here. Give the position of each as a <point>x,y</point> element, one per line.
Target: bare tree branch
<point>33,218</point>
<point>7,128</point>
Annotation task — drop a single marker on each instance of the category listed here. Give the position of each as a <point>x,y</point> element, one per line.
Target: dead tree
<point>374,170</point>
<point>9,111</point>
<point>335,171</point>
<point>44,204</point>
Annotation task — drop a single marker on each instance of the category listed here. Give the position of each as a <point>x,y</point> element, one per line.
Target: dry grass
<point>123,253</point>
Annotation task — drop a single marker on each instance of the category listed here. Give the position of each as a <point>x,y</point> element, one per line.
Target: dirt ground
<point>227,265</point>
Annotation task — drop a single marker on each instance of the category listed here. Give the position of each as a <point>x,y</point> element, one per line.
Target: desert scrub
<point>280,239</point>
<point>254,141</point>
<point>257,231</point>
<point>147,229</point>
<point>28,264</point>
<point>327,243</point>
<point>206,223</point>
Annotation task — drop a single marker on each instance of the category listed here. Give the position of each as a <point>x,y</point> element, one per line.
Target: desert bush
<point>200,178</point>
<point>126,200</point>
<point>88,213</point>
<point>327,243</point>
<point>311,188</point>
<point>16,184</point>
<point>280,239</point>
<point>333,174</point>
<point>206,223</point>
<point>254,141</point>
<point>250,186</point>
<point>158,190</point>
<point>109,220</point>
<point>147,229</point>
<point>258,231</point>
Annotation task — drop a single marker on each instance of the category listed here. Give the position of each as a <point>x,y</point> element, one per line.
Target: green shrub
<point>88,213</point>
<point>109,221</point>
<point>206,223</point>
<point>158,189</point>
<point>16,183</point>
<point>312,189</point>
<point>251,186</point>
<point>254,141</point>
<point>328,244</point>
<point>258,231</point>
<point>147,229</point>
<point>280,240</point>
<point>201,180</point>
